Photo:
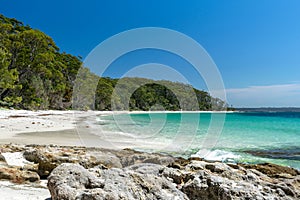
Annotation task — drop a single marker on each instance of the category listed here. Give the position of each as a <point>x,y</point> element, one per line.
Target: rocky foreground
<point>93,173</point>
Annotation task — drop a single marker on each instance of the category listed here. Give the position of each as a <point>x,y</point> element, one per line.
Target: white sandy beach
<point>61,127</point>
<point>22,121</point>
<point>10,191</point>
<point>71,128</point>
<point>31,127</point>
<point>35,127</point>
<point>13,122</point>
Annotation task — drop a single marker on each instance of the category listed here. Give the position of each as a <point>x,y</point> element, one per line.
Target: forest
<point>36,75</point>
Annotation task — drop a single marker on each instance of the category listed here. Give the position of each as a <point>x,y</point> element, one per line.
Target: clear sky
<point>254,43</point>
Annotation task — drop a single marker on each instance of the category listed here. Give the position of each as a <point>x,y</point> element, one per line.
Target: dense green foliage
<point>34,74</point>
<point>146,94</point>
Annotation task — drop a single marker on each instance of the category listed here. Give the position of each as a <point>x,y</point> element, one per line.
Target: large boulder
<point>141,181</point>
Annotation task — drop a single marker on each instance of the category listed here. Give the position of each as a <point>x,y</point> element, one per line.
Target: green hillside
<point>35,74</point>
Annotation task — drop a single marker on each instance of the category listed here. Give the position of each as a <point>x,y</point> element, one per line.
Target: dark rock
<point>291,153</point>
<point>272,170</point>
<point>2,158</point>
<point>17,175</point>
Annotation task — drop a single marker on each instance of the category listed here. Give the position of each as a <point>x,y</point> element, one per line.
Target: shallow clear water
<point>243,137</point>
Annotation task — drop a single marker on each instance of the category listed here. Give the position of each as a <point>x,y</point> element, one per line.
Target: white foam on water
<point>116,134</point>
<point>219,155</point>
<point>98,119</point>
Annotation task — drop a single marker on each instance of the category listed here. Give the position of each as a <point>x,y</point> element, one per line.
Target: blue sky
<point>255,44</point>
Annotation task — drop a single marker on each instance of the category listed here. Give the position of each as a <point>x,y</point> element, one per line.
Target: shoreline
<point>67,137</point>
<point>76,128</point>
<point>20,126</point>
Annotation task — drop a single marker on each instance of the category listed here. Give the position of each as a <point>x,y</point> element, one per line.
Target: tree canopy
<point>34,74</point>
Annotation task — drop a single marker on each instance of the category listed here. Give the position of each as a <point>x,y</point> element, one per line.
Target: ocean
<point>249,137</point>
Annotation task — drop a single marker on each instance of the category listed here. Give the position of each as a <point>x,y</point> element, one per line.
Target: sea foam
<point>219,155</point>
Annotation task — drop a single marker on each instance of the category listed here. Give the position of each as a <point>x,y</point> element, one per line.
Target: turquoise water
<point>241,137</point>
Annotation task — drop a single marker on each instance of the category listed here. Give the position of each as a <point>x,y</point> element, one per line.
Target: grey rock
<point>153,181</point>
<point>215,183</point>
<point>95,173</point>
<point>49,157</point>
<point>141,181</point>
<point>66,179</point>
<point>130,157</point>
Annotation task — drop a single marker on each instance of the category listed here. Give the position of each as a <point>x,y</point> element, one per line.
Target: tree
<point>8,79</point>
<point>84,90</point>
<point>103,94</point>
<point>34,74</point>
